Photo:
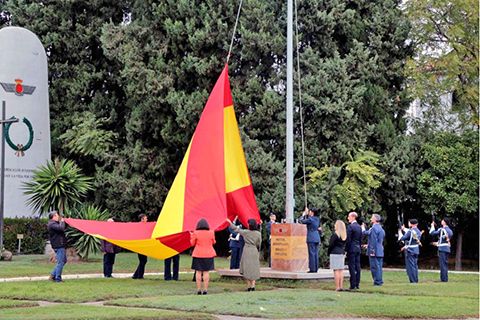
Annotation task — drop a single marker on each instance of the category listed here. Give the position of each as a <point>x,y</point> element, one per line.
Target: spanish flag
<point>212,183</point>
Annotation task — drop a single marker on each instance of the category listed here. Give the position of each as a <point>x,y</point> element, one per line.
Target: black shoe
<point>253,288</point>
<point>51,277</point>
<point>249,289</point>
<point>199,292</point>
<point>204,292</point>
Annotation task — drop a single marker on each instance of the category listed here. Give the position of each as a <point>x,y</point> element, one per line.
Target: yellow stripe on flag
<point>236,172</point>
<point>149,247</point>
<point>171,217</point>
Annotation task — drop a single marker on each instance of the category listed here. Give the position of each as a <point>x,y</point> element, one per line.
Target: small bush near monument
<point>34,232</point>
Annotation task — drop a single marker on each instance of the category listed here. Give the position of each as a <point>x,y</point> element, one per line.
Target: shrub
<point>34,232</point>
<point>60,184</point>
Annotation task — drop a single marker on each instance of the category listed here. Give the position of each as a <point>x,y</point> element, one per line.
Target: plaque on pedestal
<point>288,247</point>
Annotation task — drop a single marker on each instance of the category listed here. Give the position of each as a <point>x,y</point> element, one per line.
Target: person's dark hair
<point>141,216</point>
<point>51,214</point>
<point>413,221</point>
<point>316,211</point>
<point>447,220</point>
<point>252,224</point>
<point>202,224</point>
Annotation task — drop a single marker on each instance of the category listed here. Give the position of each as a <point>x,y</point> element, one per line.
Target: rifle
<point>399,231</point>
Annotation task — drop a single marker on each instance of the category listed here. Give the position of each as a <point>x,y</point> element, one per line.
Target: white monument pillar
<point>24,88</point>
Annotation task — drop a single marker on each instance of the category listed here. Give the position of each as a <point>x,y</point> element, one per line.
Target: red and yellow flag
<point>212,183</point>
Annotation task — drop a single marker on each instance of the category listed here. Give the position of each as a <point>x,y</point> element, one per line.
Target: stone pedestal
<point>288,247</point>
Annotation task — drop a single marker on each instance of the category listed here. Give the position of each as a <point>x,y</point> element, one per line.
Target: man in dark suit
<point>167,268</point>
<point>353,249</point>
<point>268,227</point>
<point>375,234</point>
<point>142,259</point>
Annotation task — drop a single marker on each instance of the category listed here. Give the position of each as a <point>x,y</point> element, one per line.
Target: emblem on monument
<point>18,88</point>
<point>19,148</point>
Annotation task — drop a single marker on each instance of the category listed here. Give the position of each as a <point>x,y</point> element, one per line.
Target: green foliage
<point>445,37</point>
<point>83,243</point>
<point>86,138</point>
<point>59,184</point>
<point>449,182</point>
<point>146,83</point>
<point>34,234</point>
<point>350,185</point>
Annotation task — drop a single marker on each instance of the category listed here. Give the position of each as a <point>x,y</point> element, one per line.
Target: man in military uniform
<point>411,238</point>
<point>375,253</point>
<point>444,235</point>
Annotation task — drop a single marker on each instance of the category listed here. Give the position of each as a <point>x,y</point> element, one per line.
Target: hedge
<point>34,232</point>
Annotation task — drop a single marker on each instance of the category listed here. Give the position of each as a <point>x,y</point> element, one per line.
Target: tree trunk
<point>458,254</point>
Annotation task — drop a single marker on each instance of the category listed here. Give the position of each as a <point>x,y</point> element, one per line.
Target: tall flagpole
<point>3,122</point>
<point>289,203</point>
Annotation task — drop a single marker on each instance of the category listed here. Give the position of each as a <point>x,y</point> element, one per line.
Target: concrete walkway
<point>81,276</point>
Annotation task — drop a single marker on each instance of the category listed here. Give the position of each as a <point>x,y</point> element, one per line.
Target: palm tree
<point>84,243</point>
<point>58,185</point>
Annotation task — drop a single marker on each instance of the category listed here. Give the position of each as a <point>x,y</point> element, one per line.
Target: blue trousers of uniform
<point>355,269</point>
<point>411,264</point>
<point>167,271</point>
<point>235,257</point>
<point>376,264</point>
<point>443,260</point>
<point>313,256</point>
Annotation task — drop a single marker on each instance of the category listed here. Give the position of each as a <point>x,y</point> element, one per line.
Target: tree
<point>150,79</point>
<point>349,186</point>
<point>449,182</point>
<point>445,37</point>
<point>58,185</point>
<point>87,138</point>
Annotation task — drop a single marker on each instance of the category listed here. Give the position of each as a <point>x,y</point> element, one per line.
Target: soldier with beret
<point>411,238</point>
<point>444,235</point>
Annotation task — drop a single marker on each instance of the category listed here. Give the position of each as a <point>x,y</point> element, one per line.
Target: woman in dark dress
<point>336,251</point>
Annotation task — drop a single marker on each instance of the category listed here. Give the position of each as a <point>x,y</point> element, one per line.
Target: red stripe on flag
<point>178,242</point>
<point>205,181</point>
<point>241,203</point>
<point>114,230</point>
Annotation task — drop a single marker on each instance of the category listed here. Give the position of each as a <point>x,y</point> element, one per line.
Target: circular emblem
<point>19,148</point>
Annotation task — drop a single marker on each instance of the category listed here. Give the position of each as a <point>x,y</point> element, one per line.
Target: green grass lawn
<point>71,311</point>
<point>38,265</point>
<point>128,299</point>
<point>7,303</point>
<point>85,290</point>
<point>296,303</point>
